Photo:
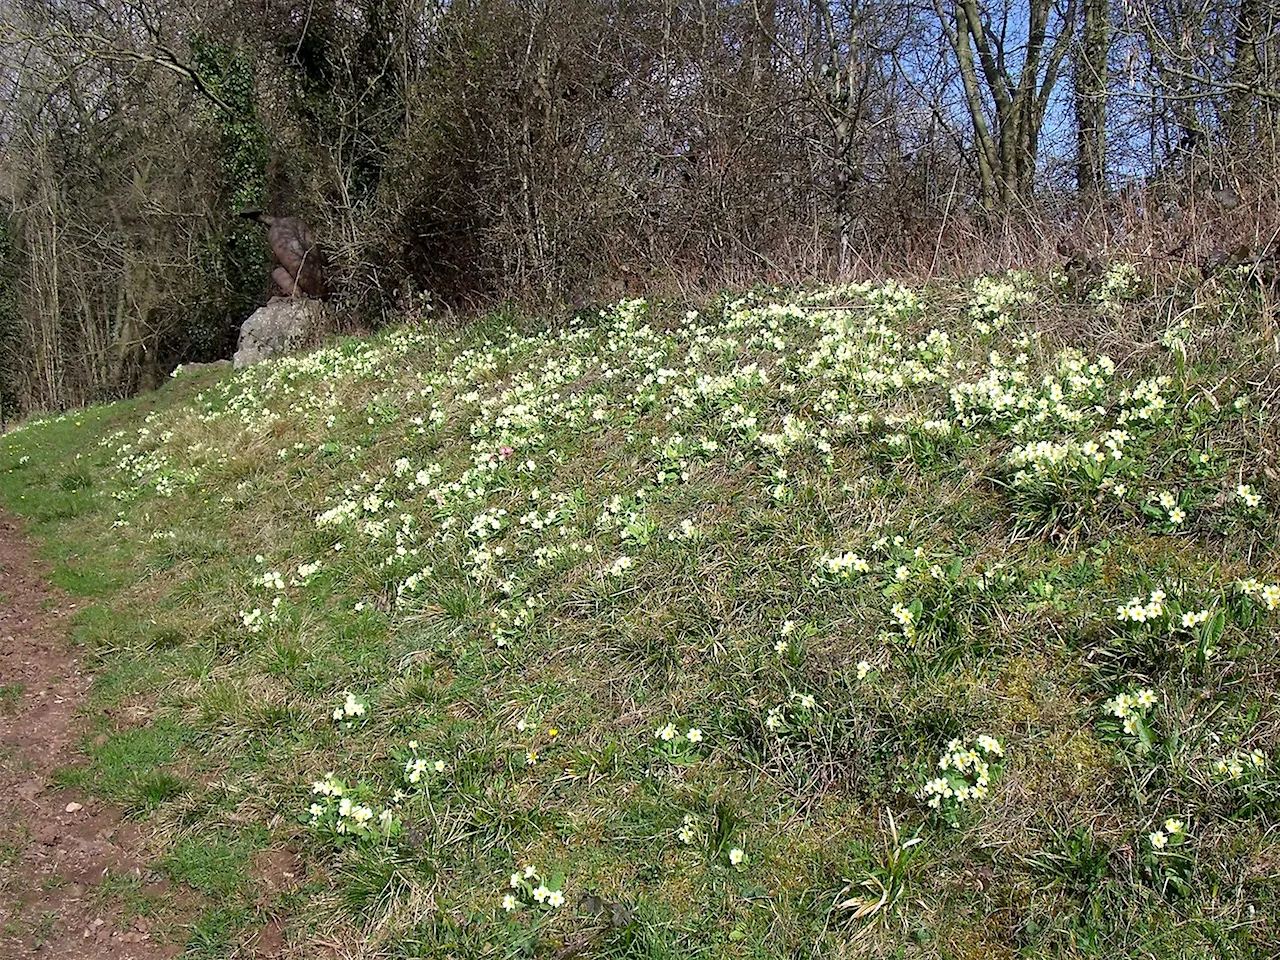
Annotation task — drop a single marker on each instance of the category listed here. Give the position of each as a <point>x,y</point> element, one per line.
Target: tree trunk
<point>1091,102</point>
<point>1244,73</point>
<point>1007,154</point>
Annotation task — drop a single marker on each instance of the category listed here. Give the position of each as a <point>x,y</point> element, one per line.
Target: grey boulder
<point>282,326</point>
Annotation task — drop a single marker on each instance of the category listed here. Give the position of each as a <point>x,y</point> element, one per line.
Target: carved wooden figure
<point>301,259</point>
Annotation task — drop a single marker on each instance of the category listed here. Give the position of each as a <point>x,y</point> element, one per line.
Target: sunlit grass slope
<point>869,621</point>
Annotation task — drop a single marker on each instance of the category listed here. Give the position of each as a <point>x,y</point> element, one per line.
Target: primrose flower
<point>905,618</point>
<point>780,646</point>
<point>555,898</point>
<point>970,776</point>
<point>508,903</point>
<point>666,734</point>
<point>540,893</point>
<point>990,745</point>
<point>864,668</point>
<point>1174,826</point>
<point>687,832</point>
<point>351,707</point>
<point>737,856</point>
<point>1138,612</point>
<point>1158,840</point>
<point>694,735</point>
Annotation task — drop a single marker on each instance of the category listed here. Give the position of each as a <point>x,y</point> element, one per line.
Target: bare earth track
<point>56,848</point>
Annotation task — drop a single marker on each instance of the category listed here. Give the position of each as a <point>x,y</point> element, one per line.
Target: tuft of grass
<point>10,694</point>
<point>128,767</point>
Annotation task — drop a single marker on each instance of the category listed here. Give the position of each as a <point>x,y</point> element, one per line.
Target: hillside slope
<point>866,621</point>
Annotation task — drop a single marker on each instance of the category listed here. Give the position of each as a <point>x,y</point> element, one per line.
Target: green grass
<point>131,767</point>
<point>831,533</point>
<point>10,693</point>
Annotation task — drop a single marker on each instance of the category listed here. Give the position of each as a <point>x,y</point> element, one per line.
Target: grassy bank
<point>871,621</point>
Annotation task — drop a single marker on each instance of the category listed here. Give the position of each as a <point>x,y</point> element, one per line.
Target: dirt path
<point>56,848</point>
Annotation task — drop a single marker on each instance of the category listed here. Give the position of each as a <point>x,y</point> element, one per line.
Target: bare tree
<point>1009,67</point>
<point>1091,73</point>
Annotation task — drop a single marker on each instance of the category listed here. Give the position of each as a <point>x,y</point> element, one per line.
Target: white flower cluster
<point>1045,459</point>
<point>967,772</point>
<point>271,579</point>
<point>416,767</point>
<point>785,717</point>
<point>1174,339</point>
<point>842,566</point>
<point>1269,593</point>
<point>688,831</point>
<point>1120,282</point>
<point>1146,401</point>
<point>669,734</point>
<point>336,808</point>
<point>529,886</point>
<point>1191,619</point>
<point>1136,610</point>
<point>412,582</point>
<point>351,708</point>
<point>1248,496</point>
<point>905,618</point>
<point>1130,707</point>
<point>1238,764</point>
<point>996,301</point>
<point>1174,833</point>
<point>305,572</point>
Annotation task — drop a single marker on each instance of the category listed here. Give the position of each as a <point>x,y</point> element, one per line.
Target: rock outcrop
<point>282,326</point>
